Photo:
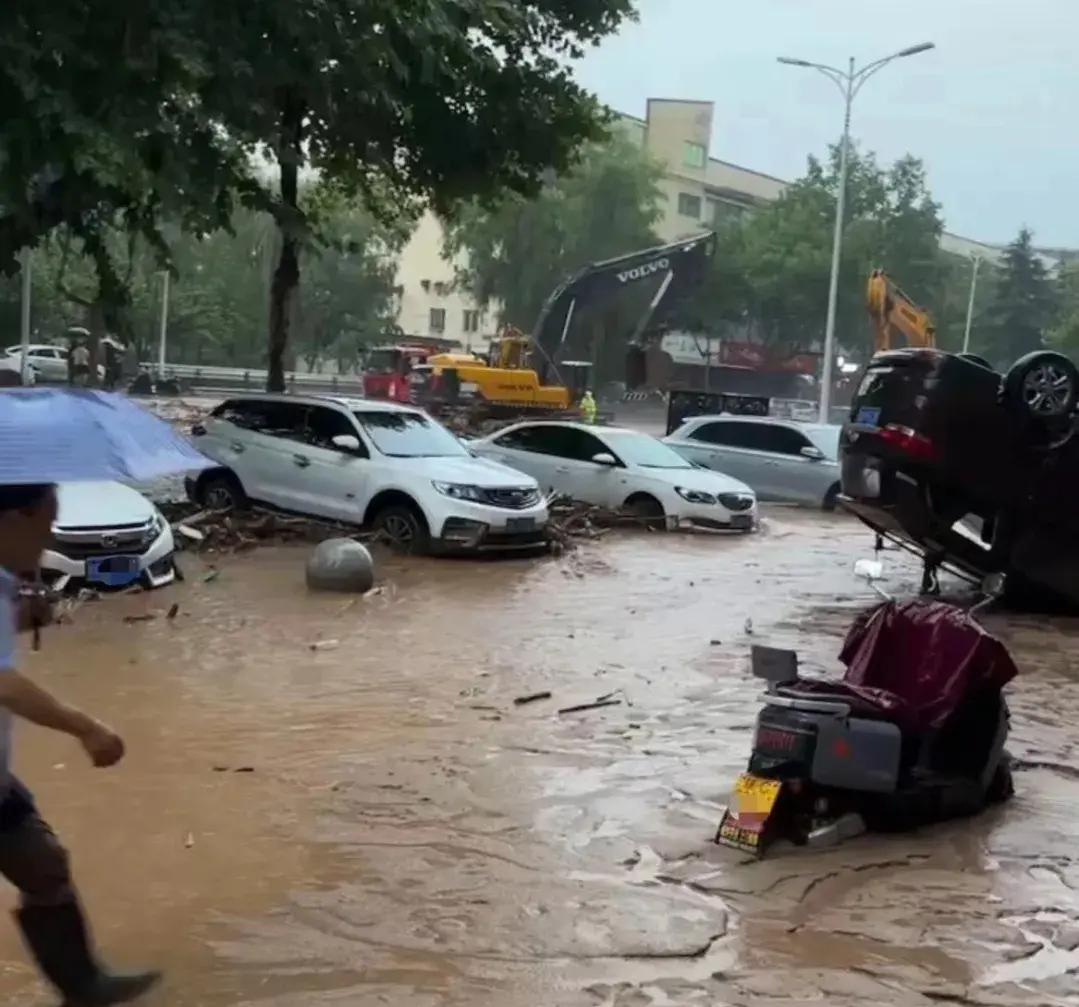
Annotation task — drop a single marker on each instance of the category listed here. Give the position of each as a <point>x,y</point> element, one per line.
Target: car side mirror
<point>605,458</point>
<point>347,442</point>
<point>812,453</point>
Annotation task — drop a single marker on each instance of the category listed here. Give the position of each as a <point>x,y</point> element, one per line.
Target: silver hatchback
<point>780,459</point>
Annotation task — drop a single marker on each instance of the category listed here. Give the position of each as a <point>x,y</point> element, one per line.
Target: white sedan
<point>108,535</point>
<point>622,469</point>
<point>48,362</point>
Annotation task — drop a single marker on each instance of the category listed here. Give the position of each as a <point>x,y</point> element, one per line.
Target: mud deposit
<point>374,821</point>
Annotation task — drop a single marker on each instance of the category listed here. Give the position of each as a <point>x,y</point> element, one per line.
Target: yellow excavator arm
<point>894,315</point>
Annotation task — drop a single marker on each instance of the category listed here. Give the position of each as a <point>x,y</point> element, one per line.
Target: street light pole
<point>849,82</point>
<point>24,317</point>
<point>976,261</point>
<point>163,335</point>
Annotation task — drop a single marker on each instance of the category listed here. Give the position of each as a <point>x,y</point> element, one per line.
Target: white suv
<point>377,464</point>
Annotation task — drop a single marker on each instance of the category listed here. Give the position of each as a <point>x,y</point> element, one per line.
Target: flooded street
<point>374,821</point>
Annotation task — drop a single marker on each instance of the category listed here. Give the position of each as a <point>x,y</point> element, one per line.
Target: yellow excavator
<point>894,315</point>
<point>527,374</point>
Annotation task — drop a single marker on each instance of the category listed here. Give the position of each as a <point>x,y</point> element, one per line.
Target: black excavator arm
<point>679,266</point>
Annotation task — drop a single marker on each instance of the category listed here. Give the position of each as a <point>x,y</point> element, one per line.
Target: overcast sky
<point>992,110</point>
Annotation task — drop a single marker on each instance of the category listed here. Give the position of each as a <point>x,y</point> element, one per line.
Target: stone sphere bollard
<point>339,564</point>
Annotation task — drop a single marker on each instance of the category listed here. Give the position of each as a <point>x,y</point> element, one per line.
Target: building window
<point>723,213</point>
<point>693,154</point>
<point>689,205</point>
<point>438,320</point>
<point>471,322</point>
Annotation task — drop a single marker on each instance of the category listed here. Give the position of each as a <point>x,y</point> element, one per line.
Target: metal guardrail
<point>252,378</point>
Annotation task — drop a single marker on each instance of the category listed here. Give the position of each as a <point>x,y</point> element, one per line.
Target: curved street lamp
<point>849,82</point>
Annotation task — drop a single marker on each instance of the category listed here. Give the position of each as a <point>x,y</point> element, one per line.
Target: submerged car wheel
<point>647,509</point>
<point>404,528</point>
<point>222,491</point>
<point>1044,384</point>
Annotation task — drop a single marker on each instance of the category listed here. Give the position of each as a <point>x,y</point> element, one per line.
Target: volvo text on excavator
<point>527,374</point>
<point>894,315</point>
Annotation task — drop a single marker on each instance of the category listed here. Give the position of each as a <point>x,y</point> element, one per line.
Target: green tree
<point>949,308</point>
<point>771,271</point>
<point>399,101</point>
<point>130,116</point>
<point>218,302</point>
<point>105,133</point>
<point>1064,333</point>
<point>1024,303</point>
<point>515,251</point>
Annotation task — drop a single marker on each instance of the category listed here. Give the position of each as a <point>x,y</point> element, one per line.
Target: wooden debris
<point>597,705</point>
<point>535,697</point>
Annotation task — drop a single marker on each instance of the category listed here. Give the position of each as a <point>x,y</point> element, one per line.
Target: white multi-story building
<point>431,301</point>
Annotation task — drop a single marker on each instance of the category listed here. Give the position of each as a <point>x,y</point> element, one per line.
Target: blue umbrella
<point>51,435</point>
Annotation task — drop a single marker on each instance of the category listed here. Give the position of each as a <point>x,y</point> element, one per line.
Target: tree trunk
<point>286,277</point>
<point>95,322</point>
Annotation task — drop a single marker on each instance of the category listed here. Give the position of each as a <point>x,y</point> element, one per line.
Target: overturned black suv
<point>972,469</point>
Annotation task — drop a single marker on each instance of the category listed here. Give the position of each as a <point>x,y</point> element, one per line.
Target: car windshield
<point>645,451</point>
<point>409,435</point>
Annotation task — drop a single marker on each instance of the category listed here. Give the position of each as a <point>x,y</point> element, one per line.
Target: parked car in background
<point>622,469</point>
<point>780,459</point>
<point>108,535</point>
<point>49,362</point>
<point>11,373</point>
<point>378,464</point>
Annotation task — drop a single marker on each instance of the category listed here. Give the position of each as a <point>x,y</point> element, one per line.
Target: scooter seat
<point>871,704</point>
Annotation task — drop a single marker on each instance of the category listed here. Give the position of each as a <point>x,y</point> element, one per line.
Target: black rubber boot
<point>58,939</point>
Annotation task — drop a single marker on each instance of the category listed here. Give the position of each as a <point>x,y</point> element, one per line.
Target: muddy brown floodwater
<point>375,821</point>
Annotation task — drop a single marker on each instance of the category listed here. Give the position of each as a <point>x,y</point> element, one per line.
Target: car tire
<point>646,508</point>
<point>221,491</point>
<point>1043,385</point>
<point>828,504</point>
<point>404,529</point>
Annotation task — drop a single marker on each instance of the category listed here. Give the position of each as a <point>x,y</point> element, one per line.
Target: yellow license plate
<point>754,795</point>
<point>743,824</point>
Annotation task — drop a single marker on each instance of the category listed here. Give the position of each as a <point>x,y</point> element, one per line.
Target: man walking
<point>31,856</point>
<point>80,365</point>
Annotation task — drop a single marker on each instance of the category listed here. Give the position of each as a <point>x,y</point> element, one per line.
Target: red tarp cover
<point>915,662</point>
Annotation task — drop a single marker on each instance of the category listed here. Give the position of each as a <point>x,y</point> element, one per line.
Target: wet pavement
<point>374,821</point>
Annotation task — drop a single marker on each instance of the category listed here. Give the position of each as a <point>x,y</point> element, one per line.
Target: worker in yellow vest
<point>588,408</point>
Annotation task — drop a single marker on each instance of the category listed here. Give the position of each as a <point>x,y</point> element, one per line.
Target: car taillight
<point>910,442</point>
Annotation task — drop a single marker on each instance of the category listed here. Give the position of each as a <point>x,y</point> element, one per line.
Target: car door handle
<point>302,460</point>
<point>237,447</point>
<point>562,470</point>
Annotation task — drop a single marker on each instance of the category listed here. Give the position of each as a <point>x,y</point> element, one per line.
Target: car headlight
<point>459,491</point>
<point>157,526</point>
<point>736,502</point>
<point>694,496</point>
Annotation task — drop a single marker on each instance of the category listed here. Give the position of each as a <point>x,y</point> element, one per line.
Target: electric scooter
<point>912,734</point>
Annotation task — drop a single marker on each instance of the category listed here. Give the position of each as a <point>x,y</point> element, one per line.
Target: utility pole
<point>849,82</point>
<point>976,261</point>
<point>163,335</point>
<point>24,316</point>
